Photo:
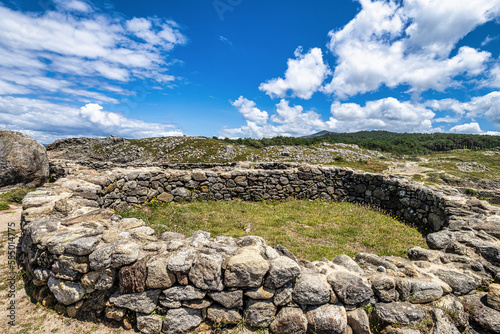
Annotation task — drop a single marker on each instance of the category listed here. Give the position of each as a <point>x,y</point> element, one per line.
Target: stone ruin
<point>90,263</point>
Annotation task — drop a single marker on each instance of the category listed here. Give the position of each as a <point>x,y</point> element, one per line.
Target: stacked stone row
<point>412,201</point>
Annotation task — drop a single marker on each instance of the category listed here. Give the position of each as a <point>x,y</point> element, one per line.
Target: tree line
<point>385,141</point>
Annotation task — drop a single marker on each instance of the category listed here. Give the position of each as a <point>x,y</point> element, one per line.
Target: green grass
<point>13,196</point>
<point>310,229</point>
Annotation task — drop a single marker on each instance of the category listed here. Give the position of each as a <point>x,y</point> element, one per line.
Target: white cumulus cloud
<point>249,111</point>
<point>410,43</point>
<point>304,76</point>
<point>472,128</point>
<point>47,121</point>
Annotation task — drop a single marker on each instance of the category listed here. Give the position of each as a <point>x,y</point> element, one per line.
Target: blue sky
<point>241,68</point>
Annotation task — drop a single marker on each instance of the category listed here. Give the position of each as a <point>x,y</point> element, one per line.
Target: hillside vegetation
<point>392,142</point>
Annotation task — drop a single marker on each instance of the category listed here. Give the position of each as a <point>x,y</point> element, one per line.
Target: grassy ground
<point>13,196</point>
<point>310,229</point>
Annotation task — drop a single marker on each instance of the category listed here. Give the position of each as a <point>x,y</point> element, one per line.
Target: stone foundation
<point>91,262</point>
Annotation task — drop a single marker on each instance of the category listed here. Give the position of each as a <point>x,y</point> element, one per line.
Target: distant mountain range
<point>318,134</point>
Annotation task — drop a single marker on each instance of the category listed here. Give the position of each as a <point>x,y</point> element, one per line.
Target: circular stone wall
<point>76,250</point>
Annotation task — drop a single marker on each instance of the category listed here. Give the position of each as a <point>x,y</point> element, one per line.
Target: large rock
<point>425,292</point>
<point>22,160</point>
<point>159,277</point>
<point>310,289</point>
<point>359,322</point>
<point>246,270</point>
<point>327,319</point>
<point>228,299</point>
<point>384,287</point>
<point>461,284</point>
<point>133,278</point>
<point>350,288</point>
<point>485,317</point>
<point>399,312</point>
<point>442,324</point>
<point>206,272</point>
<point>115,255</point>
<point>143,302</point>
<point>66,293</point>
<point>281,271</point>
<point>289,320</point>
<point>188,292</point>
<point>222,315</point>
<point>493,298</point>
<point>149,324</point>
<point>181,320</point>
<point>260,313</point>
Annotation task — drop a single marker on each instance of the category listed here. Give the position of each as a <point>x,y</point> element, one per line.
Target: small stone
<point>260,293</point>
<point>115,313</point>
<point>127,324</point>
<point>197,304</point>
<point>73,310</point>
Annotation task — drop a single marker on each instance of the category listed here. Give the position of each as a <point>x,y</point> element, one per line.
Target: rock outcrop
<point>23,160</point>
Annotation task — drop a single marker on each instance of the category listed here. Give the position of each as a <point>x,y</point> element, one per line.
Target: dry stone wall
<point>91,263</point>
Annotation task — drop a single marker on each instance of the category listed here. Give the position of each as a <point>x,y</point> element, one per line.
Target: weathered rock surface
<point>181,320</point>
<point>350,288</point>
<point>260,313</point>
<point>399,312</point>
<point>246,269</point>
<point>142,302</point>
<point>289,320</point>
<point>23,160</point>
<point>222,315</point>
<point>311,289</point>
<point>66,292</point>
<point>327,318</point>
<point>149,324</point>
<point>228,299</point>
